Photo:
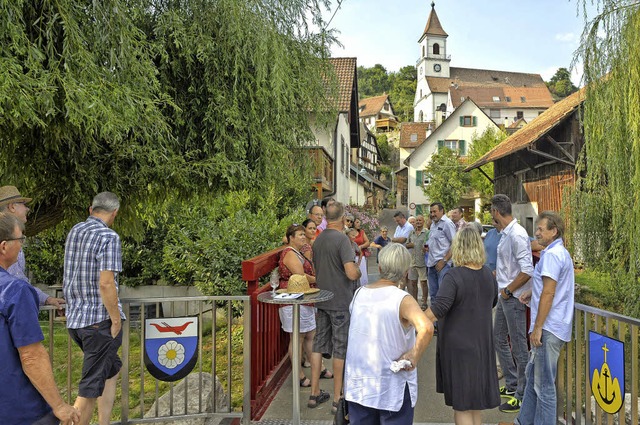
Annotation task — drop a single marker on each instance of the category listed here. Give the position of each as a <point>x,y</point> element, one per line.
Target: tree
<point>448,179</point>
<point>182,99</point>
<point>560,84</point>
<point>403,91</point>
<point>480,145</point>
<point>372,81</point>
<point>604,212</point>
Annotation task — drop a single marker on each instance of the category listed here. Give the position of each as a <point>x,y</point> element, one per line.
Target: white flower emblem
<point>171,354</point>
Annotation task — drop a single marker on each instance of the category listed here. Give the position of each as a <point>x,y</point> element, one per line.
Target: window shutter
<point>461,120</point>
<point>419,177</point>
<point>440,144</point>
<point>475,121</point>
<point>462,147</point>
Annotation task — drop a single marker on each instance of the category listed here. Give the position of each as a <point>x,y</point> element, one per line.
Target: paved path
<point>430,408</point>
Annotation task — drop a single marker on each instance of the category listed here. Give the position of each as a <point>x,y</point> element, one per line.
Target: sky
<point>532,36</point>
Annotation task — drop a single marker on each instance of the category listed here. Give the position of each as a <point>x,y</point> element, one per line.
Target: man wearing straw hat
<point>12,202</point>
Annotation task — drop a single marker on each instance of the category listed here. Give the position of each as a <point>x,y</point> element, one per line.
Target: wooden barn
<point>534,164</point>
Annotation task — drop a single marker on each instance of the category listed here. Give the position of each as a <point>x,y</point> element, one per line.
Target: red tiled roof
<point>533,131</point>
<point>518,123</point>
<point>509,97</point>
<point>345,69</point>
<point>439,84</point>
<point>433,26</point>
<point>409,128</point>
<point>372,105</point>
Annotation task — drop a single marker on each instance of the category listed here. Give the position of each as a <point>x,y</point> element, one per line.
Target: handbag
<point>342,413</point>
<point>366,252</point>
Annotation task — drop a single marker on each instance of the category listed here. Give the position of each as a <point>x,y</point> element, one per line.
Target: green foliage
<point>206,244</point>
<point>605,207</point>
<point>403,92</point>
<point>44,256</point>
<point>560,84</point>
<point>384,147</point>
<point>372,81</point>
<point>480,145</point>
<point>448,179</point>
<point>156,100</point>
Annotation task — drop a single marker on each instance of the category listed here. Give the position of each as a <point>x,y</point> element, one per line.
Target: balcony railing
<point>323,167</point>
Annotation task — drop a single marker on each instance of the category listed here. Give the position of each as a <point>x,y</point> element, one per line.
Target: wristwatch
<point>507,292</point>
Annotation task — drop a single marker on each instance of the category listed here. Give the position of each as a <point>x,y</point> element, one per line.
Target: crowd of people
<point>474,297</point>
<point>438,276</point>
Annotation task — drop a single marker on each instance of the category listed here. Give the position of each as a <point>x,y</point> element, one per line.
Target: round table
<point>322,295</point>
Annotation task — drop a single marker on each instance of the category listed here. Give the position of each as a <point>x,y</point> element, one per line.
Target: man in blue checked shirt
<point>92,260</point>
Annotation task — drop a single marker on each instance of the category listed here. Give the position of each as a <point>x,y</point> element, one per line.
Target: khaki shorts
<point>418,273</point>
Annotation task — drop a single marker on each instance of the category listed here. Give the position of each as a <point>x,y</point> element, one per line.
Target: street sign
<point>606,363</point>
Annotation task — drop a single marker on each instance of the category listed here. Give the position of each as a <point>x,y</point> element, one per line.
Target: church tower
<point>434,62</point>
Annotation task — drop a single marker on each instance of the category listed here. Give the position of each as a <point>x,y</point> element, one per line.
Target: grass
<point>596,289</point>
<point>60,368</point>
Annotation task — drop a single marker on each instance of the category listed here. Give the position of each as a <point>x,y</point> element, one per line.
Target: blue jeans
<point>539,403</point>
<point>510,325</point>
<point>435,278</point>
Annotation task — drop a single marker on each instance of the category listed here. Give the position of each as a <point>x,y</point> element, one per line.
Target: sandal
<point>306,365</point>
<point>334,407</point>
<point>314,400</point>
<point>305,380</point>
<point>324,373</point>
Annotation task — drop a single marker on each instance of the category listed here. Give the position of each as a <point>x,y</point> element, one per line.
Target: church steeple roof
<point>433,26</point>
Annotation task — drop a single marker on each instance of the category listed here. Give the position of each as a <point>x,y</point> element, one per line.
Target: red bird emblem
<point>168,328</point>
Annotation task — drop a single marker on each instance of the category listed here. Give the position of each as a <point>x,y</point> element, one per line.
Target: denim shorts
<point>101,361</point>
<point>332,332</point>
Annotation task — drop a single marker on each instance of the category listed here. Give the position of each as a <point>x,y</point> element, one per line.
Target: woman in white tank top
<point>387,326</point>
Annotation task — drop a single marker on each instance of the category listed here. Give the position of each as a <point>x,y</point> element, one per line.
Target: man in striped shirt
<point>92,260</point>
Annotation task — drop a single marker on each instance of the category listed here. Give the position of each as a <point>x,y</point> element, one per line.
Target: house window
<point>468,121</point>
<point>422,179</point>
<point>421,115</point>
<point>414,137</point>
<point>519,115</point>
<point>523,99</point>
<point>422,56</point>
<point>420,96</point>
<point>459,146</point>
<point>507,98</point>
<point>436,49</point>
<point>494,113</point>
<point>496,98</point>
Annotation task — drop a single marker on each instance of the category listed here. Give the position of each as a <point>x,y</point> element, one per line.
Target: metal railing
<point>140,392</point>
<point>575,402</point>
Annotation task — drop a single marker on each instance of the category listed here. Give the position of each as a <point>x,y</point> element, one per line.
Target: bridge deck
<point>430,408</point>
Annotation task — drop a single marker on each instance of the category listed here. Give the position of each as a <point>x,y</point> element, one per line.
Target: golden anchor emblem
<point>606,390</point>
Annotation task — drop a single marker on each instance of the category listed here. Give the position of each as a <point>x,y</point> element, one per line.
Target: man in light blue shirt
<point>514,268</point>
<point>441,235</point>
<point>552,303</point>
<point>403,230</point>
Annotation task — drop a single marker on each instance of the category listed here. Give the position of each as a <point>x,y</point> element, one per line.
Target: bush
<point>370,223</point>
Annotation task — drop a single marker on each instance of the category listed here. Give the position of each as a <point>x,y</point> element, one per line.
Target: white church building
<point>493,99</point>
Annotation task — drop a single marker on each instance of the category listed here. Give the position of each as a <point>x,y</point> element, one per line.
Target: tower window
<point>523,99</point>
<point>436,49</point>
<point>496,98</point>
<point>422,51</point>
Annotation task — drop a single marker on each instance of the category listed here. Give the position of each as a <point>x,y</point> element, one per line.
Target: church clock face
<point>437,67</point>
